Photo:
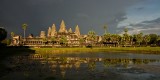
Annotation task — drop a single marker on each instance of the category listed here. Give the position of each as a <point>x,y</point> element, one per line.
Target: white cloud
<point>142,11</point>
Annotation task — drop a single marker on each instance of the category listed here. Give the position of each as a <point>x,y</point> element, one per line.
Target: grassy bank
<point>101,49</point>
<point>13,51</point>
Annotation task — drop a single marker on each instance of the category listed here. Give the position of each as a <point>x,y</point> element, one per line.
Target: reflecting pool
<point>83,66</point>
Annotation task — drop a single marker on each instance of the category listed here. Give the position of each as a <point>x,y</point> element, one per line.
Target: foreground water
<point>83,66</point>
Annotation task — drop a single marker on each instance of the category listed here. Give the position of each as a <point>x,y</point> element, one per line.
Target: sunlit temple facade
<point>54,38</point>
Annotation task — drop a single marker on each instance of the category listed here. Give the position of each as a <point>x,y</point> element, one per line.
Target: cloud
<point>155,21</point>
<point>40,14</point>
<point>146,27</point>
<point>140,8</point>
<point>145,31</point>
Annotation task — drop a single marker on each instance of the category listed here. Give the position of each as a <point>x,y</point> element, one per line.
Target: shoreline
<point>150,50</point>
<point>9,51</point>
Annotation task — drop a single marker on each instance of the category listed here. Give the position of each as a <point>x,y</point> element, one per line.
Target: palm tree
<point>91,36</point>
<point>107,37</point>
<point>139,38</point>
<point>24,27</point>
<point>146,39</point>
<point>126,37</point>
<point>115,38</point>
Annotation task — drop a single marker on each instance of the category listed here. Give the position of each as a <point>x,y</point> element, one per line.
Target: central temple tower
<point>62,27</point>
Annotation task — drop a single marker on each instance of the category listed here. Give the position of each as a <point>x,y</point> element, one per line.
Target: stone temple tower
<point>42,34</point>
<point>77,31</point>
<point>70,30</point>
<point>53,30</point>
<point>62,27</point>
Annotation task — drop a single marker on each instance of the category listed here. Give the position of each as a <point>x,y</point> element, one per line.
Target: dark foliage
<point>3,34</point>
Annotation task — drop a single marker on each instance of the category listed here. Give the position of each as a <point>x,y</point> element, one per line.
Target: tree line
<point>125,39</point>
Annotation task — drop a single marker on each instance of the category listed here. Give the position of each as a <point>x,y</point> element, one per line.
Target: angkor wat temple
<point>54,38</point>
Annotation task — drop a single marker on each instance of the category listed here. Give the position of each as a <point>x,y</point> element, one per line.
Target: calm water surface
<point>83,66</point>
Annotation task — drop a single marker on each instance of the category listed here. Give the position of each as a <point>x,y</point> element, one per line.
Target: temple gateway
<point>54,38</point>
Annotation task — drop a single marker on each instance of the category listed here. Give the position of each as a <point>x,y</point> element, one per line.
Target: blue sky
<point>147,10</point>
<point>137,15</point>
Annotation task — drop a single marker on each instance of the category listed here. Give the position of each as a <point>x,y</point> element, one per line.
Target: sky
<point>136,15</point>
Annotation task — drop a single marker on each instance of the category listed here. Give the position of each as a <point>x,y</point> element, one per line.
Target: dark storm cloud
<point>140,8</point>
<point>40,14</point>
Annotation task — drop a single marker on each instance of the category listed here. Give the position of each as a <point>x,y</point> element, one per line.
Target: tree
<point>126,37</point>
<point>158,41</point>
<point>91,36</point>
<point>107,37</point>
<point>63,40</point>
<point>24,27</point>
<point>131,39</point>
<point>53,39</point>
<point>114,39</point>
<point>3,34</point>
<point>153,38</point>
<point>146,39</point>
<point>81,41</point>
<point>139,38</point>
<point>117,38</point>
<point>134,39</point>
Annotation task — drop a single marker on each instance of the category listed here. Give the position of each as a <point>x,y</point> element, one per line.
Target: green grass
<point>106,49</point>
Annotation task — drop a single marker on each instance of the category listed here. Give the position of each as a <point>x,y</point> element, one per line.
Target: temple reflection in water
<point>63,66</point>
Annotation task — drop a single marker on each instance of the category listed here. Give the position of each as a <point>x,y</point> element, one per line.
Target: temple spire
<point>53,30</point>
<point>77,31</point>
<point>70,30</point>
<point>62,27</point>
